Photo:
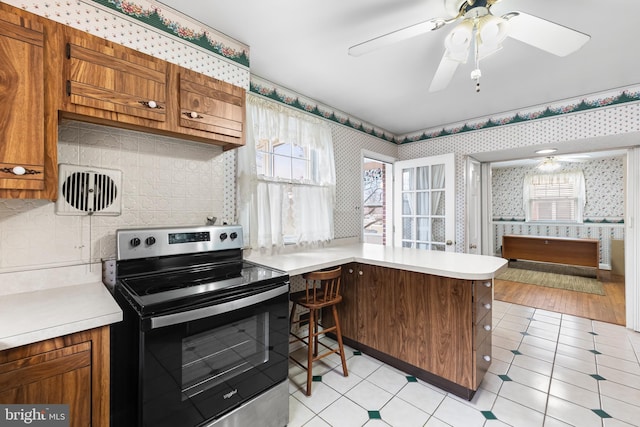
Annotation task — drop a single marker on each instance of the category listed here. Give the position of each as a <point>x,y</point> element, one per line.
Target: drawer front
<point>482,300</point>
<point>483,357</point>
<point>482,329</point>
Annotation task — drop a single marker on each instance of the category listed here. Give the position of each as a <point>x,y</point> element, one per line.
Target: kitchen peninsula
<point>427,313</point>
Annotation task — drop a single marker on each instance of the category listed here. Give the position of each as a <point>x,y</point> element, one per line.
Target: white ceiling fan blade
<point>396,36</point>
<point>444,73</point>
<point>546,35</point>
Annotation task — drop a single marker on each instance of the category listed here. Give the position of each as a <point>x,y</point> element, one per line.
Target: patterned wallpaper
<point>73,240</point>
<point>604,181</point>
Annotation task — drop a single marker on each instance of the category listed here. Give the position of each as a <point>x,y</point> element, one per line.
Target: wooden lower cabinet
<point>433,327</point>
<point>73,370</point>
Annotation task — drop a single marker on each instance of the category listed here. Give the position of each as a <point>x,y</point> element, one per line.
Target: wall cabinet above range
<point>114,85</point>
<point>51,71</point>
<point>22,144</point>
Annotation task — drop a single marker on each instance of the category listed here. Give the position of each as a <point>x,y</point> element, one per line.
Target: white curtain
<point>275,211</point>
<point>574,178</point>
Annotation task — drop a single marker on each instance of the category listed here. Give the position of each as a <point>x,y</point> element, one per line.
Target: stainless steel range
<point>204,340</point>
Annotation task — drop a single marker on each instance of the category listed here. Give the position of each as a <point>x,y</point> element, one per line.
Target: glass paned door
<point>425,203</point>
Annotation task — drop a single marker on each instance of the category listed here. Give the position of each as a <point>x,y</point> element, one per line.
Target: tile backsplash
<point>166,181</point>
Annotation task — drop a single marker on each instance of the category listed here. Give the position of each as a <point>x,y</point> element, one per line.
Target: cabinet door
<point>21,103</point>
<point>348,308</point>
<point>212,106</point>
<point>376,307</point>
<point>60,376</point>
<point>114,82</point>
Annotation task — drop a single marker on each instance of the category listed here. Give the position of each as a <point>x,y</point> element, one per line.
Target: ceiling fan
<point>479,29</point>
<point>552,163</point>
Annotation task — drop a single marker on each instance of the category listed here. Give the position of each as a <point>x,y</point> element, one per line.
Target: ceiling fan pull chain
<point>476,73</point>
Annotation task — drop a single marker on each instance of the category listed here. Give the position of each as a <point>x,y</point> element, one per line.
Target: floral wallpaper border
<point>541,112</point>
<point>165,19</point>
<point>292,99</point>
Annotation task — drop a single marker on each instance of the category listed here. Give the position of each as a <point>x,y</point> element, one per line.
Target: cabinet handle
<point>19,170</point>
<point>487,306</point>
<point>487,284</point>
<point>360,273</point>
<point>486,358</point>
<point>151,104</point>
<point>193,115</point>
<point>487,327</point>
<point>350,270</point>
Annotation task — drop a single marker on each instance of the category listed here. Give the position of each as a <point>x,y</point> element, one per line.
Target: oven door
<point>198,365</point>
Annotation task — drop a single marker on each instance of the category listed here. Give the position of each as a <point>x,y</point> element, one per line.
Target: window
<point>286,177</point>
<point>558,197</point>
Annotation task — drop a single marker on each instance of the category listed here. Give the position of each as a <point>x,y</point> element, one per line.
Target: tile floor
<point>548,369</point>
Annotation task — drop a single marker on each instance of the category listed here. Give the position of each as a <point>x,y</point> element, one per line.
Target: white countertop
<point>446,264</point>
<point>33,316</point>
<point>34,309</point>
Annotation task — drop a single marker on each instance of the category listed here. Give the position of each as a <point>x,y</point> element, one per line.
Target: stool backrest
<point>323,286</point>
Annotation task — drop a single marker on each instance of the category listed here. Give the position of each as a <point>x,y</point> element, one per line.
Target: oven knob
<point>150,240</point>
<point>134,242</point>
<point>223,236</point>
<point>233,235</point>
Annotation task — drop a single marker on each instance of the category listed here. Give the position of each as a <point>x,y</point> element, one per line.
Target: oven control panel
<point>161,241</point>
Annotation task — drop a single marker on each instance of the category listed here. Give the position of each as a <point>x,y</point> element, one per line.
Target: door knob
<point>472,246</point>
<point>449,243</point>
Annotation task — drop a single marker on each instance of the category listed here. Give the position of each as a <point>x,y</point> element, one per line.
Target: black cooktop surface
<point>159,291</point>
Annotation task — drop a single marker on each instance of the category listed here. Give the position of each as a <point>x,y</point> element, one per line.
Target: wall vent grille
<point>84,190</point>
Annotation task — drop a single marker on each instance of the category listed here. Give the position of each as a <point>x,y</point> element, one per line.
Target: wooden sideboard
<point>559,250</point>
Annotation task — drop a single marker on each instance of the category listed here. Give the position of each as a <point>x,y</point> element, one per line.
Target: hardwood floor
<point>608,308</point>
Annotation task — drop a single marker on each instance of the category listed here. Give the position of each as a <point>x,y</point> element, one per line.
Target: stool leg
<point>316,333</point>
<point>339,336</point>
<point>311,340</point>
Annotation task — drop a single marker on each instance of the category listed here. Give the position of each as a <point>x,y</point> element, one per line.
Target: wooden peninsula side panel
<point>435,328</point>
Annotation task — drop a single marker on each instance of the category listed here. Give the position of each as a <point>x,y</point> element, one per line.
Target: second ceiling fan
<point>480,31</point>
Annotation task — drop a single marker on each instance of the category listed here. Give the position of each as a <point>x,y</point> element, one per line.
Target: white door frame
<point>632,240</point>
<point>473,207</point>
<point>389,192</point>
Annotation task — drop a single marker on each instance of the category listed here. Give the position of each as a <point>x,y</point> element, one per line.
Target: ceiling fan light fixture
<point>458,41</point>
<point>492,29</point>
<point>549,164</point>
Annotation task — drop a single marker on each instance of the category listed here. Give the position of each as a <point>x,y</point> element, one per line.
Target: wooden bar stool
<point>322,290</point>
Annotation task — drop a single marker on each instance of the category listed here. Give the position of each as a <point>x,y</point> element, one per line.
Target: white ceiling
<point>302,45</point>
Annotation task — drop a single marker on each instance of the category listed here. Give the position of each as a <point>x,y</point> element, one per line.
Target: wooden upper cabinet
<point>109,81</point>
<point>22,147</point>
<point>212,106</point>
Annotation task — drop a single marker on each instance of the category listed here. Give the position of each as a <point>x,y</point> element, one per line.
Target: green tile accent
<point>412,379</point>
<point>525,333</point>
<point>357,353</point>
<point>317,378</point>
<point>516,352</point>
<point>597,377</point>
<point>504,378</point>
<point>489,415</point>
<point>595,351</point>
<point>601,413</point>
<point>374,415</point>
<point>593,333</point>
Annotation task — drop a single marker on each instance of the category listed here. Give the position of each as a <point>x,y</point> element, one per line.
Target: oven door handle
<point>214,310</point>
